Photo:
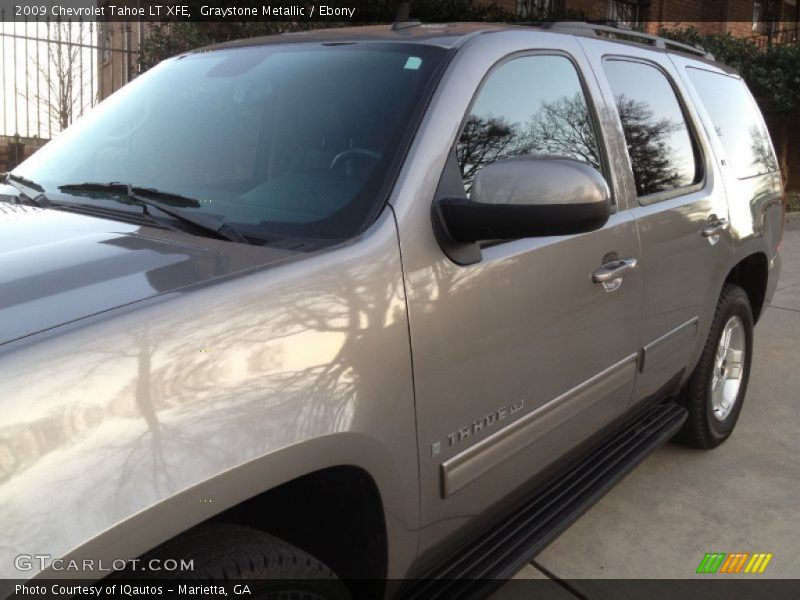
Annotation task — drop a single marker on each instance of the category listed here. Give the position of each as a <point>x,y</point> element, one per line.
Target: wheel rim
<point>726,380</point>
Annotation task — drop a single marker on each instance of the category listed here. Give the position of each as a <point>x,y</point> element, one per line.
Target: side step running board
<point>479,568</point>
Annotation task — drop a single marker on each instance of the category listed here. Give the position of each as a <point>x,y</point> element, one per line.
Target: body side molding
<point>467,466</point>
<point>672,341</point>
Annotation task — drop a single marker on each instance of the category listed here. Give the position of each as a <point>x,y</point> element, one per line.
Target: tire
<point>713,413</point>
<point>273,569</point>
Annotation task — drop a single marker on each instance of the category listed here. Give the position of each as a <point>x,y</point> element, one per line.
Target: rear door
<point>746,158</point>
<point>519,357</point>
<point>679,204</point>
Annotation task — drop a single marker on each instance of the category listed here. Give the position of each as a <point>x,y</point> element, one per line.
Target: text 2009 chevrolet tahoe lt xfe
<point>391,302</point>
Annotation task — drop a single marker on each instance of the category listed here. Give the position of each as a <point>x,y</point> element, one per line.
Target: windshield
<point>296,140</point>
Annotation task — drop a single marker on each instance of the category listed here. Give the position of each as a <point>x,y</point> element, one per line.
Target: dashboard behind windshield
<point>297,140</point>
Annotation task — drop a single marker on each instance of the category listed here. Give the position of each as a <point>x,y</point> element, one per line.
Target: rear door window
<point>737,122</point>
<point>663,155</point>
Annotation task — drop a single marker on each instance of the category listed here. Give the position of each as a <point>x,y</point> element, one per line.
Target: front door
<point>521,356</point>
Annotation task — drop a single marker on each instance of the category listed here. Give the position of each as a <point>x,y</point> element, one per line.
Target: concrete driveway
<point>680,503</point>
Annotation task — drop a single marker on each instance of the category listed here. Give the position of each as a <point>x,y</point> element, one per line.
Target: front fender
<point>174,514</point>
<point>121,430</point>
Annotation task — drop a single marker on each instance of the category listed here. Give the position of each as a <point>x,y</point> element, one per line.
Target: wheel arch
<point>347,480</point>
<point>751,274</point>
<point>317,513</point>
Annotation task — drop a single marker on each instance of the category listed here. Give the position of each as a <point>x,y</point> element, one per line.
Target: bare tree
<point>764,159</point>
<point>486,140</point>
<point>563,127</point>
<point>652,157</point>
<point>560,128</point>
<point>58,79</point>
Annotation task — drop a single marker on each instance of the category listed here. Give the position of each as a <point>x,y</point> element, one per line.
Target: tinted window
<point>529,105</point>
<point>292,140</point>
<point>736,121</point>
<point>659,144</point>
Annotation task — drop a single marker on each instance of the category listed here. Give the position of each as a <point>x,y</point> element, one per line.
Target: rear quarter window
<point>737,122</point>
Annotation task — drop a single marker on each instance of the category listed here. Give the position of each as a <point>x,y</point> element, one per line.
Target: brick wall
<point>118,63</point>
<point>593,9</point>
<point>14,150</point>
<point>708,16</point>
<point>510,5</point>
<point>789,14</point>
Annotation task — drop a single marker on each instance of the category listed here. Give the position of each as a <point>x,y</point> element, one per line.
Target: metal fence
<point>787,35</point>
<point>53,71</point>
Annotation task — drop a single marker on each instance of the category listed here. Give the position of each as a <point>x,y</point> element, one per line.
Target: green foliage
<point>778,78</point>
<point>772,73</point>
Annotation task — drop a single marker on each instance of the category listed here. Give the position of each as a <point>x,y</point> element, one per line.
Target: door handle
<point>715,227</point>
<point>613,270</point>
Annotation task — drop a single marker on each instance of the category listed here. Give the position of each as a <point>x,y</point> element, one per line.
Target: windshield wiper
<point>165,202</point>
<point>39,200</point>
<point>131,191</point>
<point>9,177</point>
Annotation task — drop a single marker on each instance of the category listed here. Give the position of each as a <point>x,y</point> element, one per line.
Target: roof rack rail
<point>586,28</point>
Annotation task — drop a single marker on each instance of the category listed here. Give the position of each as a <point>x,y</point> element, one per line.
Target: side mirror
<point>527,197</point>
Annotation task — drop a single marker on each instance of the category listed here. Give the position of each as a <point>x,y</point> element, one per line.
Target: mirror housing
<point>527,196</point>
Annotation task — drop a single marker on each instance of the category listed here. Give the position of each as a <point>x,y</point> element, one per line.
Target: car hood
<point>57,267</point>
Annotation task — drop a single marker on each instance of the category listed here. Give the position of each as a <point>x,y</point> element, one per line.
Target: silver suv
<point>387,302</point>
